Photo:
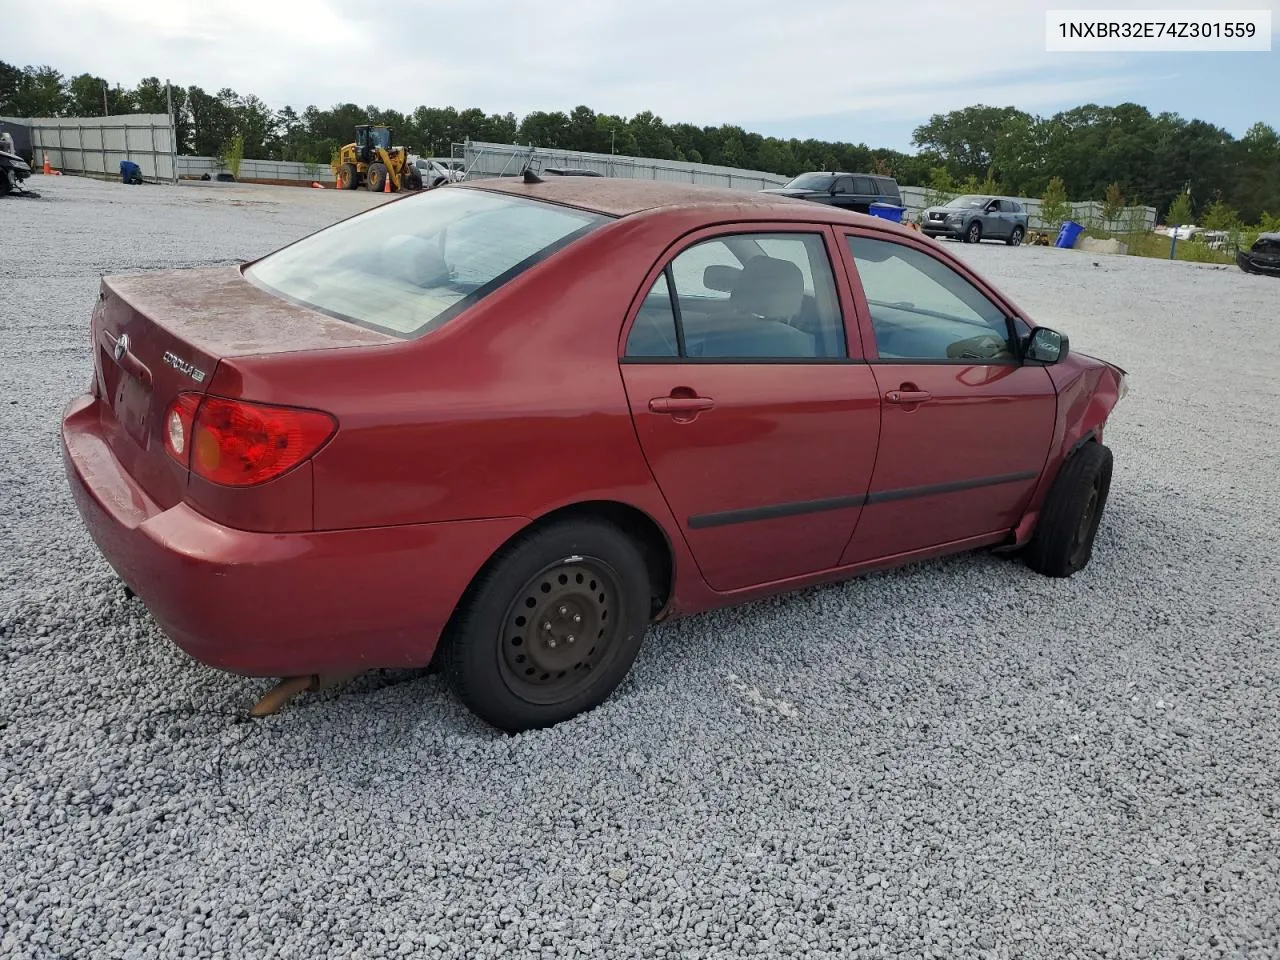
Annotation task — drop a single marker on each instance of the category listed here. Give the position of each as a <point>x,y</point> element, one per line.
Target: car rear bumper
<point>267,604</point>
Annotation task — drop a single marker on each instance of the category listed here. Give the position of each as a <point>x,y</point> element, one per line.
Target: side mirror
<point>1047,346</point>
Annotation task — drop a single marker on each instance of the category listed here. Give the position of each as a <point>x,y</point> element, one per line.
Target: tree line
<point>1123,152</point>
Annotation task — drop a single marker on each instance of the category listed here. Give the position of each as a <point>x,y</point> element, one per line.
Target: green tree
<point>1113,203</point>
<point>941,188</point>
<point>1055,210</point>
<point>40,93</point>
<point>231,154</point>
<point>87,96</point>
<point>1179,210</point>
<point>1219,216</point>
<point>11,80</point>
<point>732,153</point>
<point>969,140</point>
<point>543,129</point>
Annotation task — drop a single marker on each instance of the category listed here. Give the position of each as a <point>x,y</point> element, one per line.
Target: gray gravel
<point>960,759</point>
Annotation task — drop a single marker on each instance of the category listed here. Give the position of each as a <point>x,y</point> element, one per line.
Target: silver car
<point>974,218</point>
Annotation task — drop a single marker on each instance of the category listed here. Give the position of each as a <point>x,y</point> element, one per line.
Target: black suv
<point>851,191</point>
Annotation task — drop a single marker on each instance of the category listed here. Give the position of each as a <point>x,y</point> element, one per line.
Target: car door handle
<point>681,404</point>
<point>908,396</point>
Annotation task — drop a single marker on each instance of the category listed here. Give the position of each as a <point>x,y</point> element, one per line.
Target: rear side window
<point>748,296</point>
<point>864,185</point>
<point>409,266</point>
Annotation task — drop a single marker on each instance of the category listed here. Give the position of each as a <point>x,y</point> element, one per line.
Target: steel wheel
<point>551,625</point>
<point>562,626</point>
<point>1082,542</point>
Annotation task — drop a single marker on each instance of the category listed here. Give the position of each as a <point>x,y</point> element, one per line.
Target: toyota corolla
<point>509,424</point>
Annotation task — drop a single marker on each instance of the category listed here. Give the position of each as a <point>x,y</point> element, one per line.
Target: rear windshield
<point>409,266</point>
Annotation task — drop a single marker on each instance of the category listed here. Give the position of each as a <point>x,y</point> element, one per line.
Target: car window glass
<point>408,267</point>
<point>921,309</point>
<point>863,185</point>
<point>689,269</point>
<point>653,334</point>
<point>778,299</point>
<point>844,185</point>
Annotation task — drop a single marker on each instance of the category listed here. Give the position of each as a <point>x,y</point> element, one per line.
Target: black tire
<point>973,232</point>
<point>550,627</point>
<point>439,182</point>
<point>1015,238</point>
<point>6,183</point>
<point>348,177</point>
<point>1063,541</point>
<point>376,176</point>
<point>413,179</point>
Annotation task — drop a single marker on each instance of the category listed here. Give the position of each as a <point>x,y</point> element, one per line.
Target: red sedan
<point>520,420</point>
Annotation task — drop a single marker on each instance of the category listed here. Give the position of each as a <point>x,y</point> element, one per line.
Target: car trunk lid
<point>160,334</point>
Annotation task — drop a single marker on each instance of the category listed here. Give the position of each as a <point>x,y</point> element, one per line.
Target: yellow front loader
<point>372,161</point>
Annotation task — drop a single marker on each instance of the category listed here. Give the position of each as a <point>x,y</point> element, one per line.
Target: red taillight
<point>238,444</point>
<point>178,420</point>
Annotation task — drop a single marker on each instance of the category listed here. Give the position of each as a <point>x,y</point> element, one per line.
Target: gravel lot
<point>960,759</point>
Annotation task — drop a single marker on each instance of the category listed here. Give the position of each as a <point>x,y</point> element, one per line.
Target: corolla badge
<point>182,366</point>
<point>121,347</point>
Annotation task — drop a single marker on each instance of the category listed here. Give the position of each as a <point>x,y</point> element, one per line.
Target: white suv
<point>435,170</point>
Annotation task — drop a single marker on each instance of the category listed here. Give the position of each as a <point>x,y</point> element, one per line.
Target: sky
<point>851,70</point>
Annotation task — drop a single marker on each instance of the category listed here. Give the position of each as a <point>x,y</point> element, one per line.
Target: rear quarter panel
<point>515,408</point>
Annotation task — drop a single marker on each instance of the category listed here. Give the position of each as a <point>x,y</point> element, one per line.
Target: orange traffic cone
<point>317,185</point>
<point>386,184</point>
<point>47,169</point>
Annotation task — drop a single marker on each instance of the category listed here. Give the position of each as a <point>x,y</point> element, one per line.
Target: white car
<point>436,170</point>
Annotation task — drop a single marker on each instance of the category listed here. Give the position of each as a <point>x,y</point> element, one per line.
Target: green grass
<point>1155,246</point>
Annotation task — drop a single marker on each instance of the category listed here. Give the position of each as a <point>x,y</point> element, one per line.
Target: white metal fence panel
<point>508,159</point>
<point>272,170</point>
<point>1087,212</point>
<point>96,145</point>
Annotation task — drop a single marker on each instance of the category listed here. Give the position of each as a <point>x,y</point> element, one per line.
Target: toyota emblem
<point>121,347</point>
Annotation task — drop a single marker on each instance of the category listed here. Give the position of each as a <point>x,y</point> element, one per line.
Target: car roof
<point>621,197</point>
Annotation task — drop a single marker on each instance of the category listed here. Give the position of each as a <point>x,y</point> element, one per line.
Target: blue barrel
<point>887,211</point>
<point>1069,233</point>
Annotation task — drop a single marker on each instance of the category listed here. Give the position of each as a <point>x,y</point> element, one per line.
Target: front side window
<point>921,309</point>
<point>745,296</point>
<point>409,266</point>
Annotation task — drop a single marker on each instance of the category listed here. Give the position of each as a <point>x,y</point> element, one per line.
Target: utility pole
<point>104,98</point>
<point>173,128</point>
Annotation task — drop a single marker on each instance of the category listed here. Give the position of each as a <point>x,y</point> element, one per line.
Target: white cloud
<point>708,61</point>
